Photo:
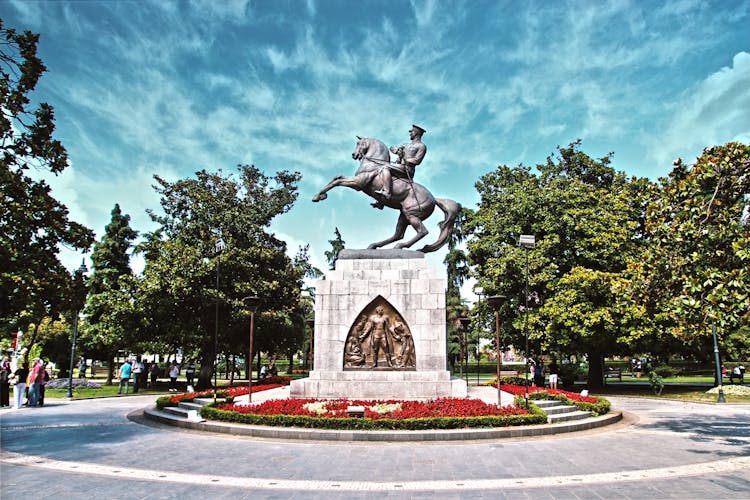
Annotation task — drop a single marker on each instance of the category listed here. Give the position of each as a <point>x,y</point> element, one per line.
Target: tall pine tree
<point>112,319</point>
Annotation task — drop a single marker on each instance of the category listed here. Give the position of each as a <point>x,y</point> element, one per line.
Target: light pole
<point>252,305</point>
<point>527,241</point>
<point>81,270</point>
<point>479,291</point>
<point>718,365</point>
<point>495,302</point>
<point>219,247</point>
<point>464,347</point>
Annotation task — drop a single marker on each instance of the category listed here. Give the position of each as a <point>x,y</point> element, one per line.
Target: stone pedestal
<point>401,278</point>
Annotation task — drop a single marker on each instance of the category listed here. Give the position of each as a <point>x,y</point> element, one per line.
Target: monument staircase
<point>558,412</point>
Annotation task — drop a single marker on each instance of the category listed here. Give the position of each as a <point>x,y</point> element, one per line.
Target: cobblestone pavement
<point>663,449</point>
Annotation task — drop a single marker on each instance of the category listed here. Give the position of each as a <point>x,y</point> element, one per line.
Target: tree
<point>337,244</point>
<point>457,269</point>
<point>112,318</point>
<point>584,218</point>
<point>179,295</point>
<point>695,270</point>
<point>33,225</point>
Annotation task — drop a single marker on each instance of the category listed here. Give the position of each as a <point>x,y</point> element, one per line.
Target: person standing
<point>553,374</point>
<point>190,373</point>
<point>82,367</point>
<point>43,385</point>
<point>125,370</point>
<point>174,372</point>
<point>35,381</point>
<point>5,375</point>
<point>19,390</point>
<point>539,374</point>
<point>154,371</point>
<point>137,373</point>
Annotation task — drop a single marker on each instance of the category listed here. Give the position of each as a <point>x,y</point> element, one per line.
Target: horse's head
<point>361,148</point>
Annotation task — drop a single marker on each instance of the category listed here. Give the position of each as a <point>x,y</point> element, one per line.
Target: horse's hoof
<point>319,197</point>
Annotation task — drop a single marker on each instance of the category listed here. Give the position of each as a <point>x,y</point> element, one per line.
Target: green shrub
<point>211,413</point>
<point>512,380</point>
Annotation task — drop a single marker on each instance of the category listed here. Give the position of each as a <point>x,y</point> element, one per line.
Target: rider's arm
<point>416,155</point>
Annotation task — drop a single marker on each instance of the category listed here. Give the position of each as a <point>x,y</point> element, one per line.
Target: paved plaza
<point>104,448</point>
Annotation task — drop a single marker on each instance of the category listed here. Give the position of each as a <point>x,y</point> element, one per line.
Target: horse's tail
<point>451,209</point>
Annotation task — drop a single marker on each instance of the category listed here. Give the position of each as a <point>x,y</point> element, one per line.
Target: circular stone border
<point>299,433</point>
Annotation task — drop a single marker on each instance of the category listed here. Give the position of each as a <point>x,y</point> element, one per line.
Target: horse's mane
<point>377,149</point>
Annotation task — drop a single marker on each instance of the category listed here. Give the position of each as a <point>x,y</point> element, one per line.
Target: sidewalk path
<point>91,448</point>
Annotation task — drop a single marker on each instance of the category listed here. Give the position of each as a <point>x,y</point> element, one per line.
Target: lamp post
<point>495,302</point>
<point>527,241</point>
<point>718,365</point>
<point>464,322</point>
<point>479,291</point>
<point>219,247</point>
<point>81,270</point>
<point>252,305</point>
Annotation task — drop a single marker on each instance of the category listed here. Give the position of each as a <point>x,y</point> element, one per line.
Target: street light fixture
<point>527,241</point>
<point>479,291</point>
<point>464,347</point>
<point>252,305</point>
<point>495,302</point>
<point>219,247</point>
<point>82,271</point>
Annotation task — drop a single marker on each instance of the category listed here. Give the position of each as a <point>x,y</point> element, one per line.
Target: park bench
<point>613,373</point>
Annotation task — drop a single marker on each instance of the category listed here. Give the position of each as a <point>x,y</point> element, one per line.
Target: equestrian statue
<point>392,185</point>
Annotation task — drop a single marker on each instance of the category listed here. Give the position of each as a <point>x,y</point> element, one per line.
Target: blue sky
<point>171,87</point>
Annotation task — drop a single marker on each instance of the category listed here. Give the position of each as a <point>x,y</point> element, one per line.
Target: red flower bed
<point>232,392</point>
<point>375,410</point>
<point>518,390</point>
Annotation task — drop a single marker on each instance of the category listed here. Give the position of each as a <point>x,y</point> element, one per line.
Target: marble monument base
<point>401,280</point>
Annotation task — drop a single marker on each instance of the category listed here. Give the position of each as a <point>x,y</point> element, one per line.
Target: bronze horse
<point>414,202</point>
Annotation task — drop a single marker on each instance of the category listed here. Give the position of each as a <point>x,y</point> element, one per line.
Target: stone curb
<point>296,433</point>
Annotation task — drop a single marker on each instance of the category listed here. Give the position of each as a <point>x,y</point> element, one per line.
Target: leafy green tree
<point>583,215</point>
<point>33,224</point>
<point>457,270</point>
<point>337,244</point>
<point>696,268</point>
<point>112,317</point>
<point>179,295</point>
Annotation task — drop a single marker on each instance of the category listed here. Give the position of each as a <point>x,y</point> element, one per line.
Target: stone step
<point>190,405</point>
<point>545,403</point>
<point>559,409</point>
<point>187,414</point>
<point>564,417</point>
<point>207,401</point>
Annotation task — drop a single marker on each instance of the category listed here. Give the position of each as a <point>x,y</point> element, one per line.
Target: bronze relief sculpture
<point>379,339</point>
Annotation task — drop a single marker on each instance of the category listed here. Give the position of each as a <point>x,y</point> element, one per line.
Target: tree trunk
<point>596,371</point>
<point>290,368</point>
<point>231,375</point>
<point>205,373</point>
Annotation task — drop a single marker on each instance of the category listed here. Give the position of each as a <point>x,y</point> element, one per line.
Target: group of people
<point>539,369</point>
<point>737,373</point>
<point>28,384</point>
<point>140,371</point>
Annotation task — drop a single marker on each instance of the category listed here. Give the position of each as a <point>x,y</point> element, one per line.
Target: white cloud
<point>713,111</point>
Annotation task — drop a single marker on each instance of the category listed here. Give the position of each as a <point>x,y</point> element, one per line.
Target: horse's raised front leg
<point>401,226</point>
<point>422,231</point>
<point>358,182</point>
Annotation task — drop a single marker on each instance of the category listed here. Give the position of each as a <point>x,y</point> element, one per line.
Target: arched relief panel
<point>379,339</point>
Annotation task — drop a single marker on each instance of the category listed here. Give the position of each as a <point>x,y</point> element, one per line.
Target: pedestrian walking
<point>174,372</point>
<point>553,374</point>
<point>125,370</point>
<point>36,377</point>
<point>43,385</point>
<point>19,384</point>
<point>82,367</point>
